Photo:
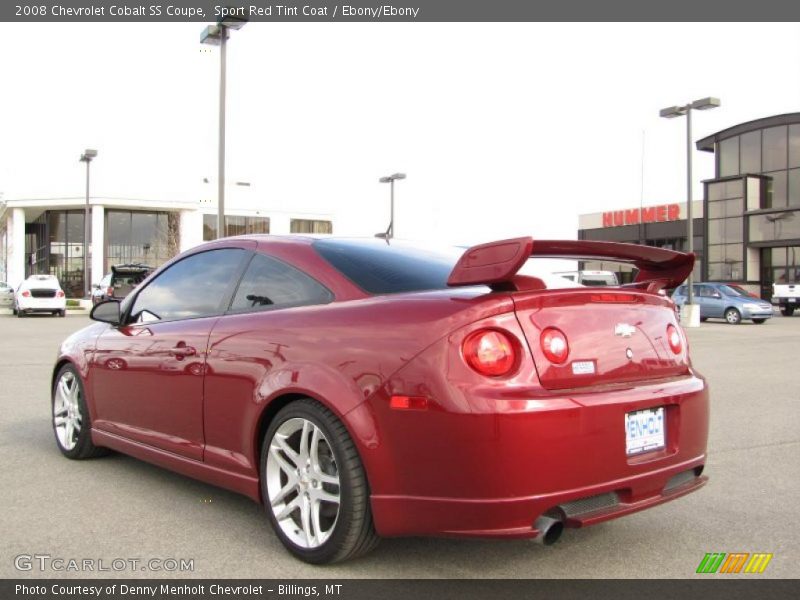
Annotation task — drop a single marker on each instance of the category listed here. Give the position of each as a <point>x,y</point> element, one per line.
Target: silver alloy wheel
<point>303,483</point>
<point>67,418</point>
<point>732,316</point>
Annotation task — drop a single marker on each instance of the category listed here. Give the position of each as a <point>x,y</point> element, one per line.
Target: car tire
<point>301,479</point>
<point>759,321</point>
<point>733,316</point>
<point>62,313</point>
<point>703,319</point>
<point>68,411</point>
<point>20,314</point>
<point>787,311</point>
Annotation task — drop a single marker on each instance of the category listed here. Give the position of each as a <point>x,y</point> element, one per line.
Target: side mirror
<point>106,312</point>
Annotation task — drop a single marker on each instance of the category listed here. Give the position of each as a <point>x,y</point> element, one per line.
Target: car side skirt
<point>236,482</point>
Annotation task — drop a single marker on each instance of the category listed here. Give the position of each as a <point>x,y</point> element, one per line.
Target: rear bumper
<point>494,471</point>
<point>515,517</point>
<point>41,304</point>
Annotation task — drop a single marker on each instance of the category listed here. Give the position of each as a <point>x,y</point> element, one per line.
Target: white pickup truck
<point>787,296</point>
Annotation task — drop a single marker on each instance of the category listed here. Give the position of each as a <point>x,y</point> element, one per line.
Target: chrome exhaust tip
<point>550,530</point>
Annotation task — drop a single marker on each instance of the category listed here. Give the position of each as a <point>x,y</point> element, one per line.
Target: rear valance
<point>496,263</point>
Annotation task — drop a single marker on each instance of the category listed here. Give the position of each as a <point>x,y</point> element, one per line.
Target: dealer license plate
<point>644,430</point>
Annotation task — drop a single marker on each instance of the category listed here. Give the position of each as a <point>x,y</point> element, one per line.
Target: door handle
<point>181,352</point>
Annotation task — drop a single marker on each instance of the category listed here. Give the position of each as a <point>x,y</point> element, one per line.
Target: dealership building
<point>46,235</point>
<point>746,227</point>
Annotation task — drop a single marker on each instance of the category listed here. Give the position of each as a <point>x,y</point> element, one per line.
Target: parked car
<point>722,301</point>
<point>359,388</point>
<point>786,296</point>
<point>40,294</point>
<point>591,278</point>
<point>117,284</point>
<point>6,295</point>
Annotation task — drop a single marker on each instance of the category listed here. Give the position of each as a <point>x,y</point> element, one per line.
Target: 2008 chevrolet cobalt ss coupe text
<point>360,388</point>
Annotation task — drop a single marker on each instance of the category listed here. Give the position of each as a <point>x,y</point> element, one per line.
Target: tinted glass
<point>750,149</point>
<point>270,283</point>
<point>794,146</point>
<point>776,189</point>
<point>794,187</point>
<point>194,287</point>
<point>775,152</point>
<point>729,157</point>
<point>381,268</point>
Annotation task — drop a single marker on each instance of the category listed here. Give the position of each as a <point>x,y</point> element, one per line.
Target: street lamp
<point>390,180</point>
<point>217,35</point>
<point>692,315</point>
<point>86,157</point>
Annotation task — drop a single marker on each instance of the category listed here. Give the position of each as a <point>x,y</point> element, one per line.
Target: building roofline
<point>707,143</point>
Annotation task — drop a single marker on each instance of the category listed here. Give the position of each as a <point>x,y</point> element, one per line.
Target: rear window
<point>380,268</point>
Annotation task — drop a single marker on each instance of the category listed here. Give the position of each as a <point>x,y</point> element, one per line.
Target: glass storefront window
<point>729,157</point>
<point>209,227</point>
<point>148,238</point>
<point>775,226</point>
<point>750,150</point>
<point>310,226</point>
<point>794,146</point>
<point>725,253</point>
<point>725,231</point>
<point>794,187</point>
<point>234,225</point>
<point>725,208</point>
<point>776,196</point>
<point>732,271</point>
<point>775,149</point>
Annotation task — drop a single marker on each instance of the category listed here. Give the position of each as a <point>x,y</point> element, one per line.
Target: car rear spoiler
<point>496,264</point>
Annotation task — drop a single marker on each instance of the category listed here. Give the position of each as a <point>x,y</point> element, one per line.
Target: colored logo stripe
<point>711,562</point>
<point>734,563</point>
<point>758,562</point>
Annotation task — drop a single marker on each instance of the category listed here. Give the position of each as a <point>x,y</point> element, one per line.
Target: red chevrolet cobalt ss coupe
<point>359,388</point>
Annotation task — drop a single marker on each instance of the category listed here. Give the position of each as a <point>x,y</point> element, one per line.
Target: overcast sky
<point>503,129</point>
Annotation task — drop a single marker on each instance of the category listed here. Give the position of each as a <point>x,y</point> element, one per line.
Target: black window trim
<point>226,299</point>
<point>229,310</point>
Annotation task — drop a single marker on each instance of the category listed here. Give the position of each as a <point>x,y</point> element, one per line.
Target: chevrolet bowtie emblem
<point>624,330</point>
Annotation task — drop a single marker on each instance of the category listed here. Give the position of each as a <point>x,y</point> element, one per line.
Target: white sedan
<point>40,294</point>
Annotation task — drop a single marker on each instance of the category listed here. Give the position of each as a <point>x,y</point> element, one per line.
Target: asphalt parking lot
<point>118,507</point>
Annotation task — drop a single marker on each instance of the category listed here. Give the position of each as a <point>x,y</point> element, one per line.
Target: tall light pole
<point>87,157</point>
<point>217,35</point>
<point>692,315</point>
<point>390,179</point>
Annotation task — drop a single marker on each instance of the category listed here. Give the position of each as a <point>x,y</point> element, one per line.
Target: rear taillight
<point>554,345</point>
<point>490,352</point>
<point>674,339</point>
<point>110,291</point>
<point>60,294</point>
<point>26,294</point>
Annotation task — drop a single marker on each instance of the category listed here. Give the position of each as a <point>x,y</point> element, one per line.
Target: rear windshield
<point>380,268</point>
<point>597,281</point>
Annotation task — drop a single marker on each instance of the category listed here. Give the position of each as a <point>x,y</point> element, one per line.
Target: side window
<point>703,291</point>
<point>270,283</point>
<point>197,286</point>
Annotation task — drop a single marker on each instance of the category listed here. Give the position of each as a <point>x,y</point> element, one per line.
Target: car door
<point>716,302</point>
<point>147,374</point>
<point>699,299</point>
